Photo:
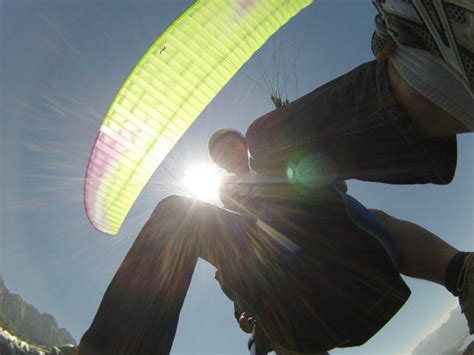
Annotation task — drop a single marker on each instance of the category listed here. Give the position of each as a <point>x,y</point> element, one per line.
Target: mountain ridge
<point>24,321</point>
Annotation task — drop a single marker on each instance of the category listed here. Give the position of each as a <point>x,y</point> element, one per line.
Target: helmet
<point>221,133</point>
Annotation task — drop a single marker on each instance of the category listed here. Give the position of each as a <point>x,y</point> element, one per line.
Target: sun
<point>203,182</point>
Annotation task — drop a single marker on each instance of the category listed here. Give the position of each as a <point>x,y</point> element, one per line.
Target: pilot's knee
<point>378,213</point>
<point>256,131</point>
<point>389,221</point>
<point>171,204</point>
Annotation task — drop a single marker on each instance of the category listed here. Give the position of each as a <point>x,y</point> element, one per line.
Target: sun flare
<point>203,182</point>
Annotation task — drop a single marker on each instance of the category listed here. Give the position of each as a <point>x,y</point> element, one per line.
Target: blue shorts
<point>355,129</point>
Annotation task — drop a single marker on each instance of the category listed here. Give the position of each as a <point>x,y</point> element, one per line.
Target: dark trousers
<point>351,128</point>
<point>337,288</point>
<point>140,309</point>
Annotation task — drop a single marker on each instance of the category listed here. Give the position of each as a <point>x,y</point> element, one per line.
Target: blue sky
<point>62,63</point>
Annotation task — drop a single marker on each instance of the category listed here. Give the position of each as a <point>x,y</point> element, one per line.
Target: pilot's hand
<point>341,186</point>
<point>246,322</point>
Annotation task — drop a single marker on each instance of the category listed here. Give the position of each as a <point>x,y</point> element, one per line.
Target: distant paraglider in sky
<point>167,90</point>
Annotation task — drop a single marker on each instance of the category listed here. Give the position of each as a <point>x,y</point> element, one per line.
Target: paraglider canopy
<point>167,90</point>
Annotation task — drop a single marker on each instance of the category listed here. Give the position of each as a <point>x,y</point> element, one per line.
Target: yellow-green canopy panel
<point>167,90</point>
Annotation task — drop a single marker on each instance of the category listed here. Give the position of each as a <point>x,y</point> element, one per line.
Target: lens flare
<point>203,182</point>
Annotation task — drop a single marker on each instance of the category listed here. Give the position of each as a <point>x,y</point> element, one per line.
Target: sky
<point>448,337</point>
<point>63,62</point>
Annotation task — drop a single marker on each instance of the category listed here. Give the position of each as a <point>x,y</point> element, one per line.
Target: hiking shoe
<point>445,28</point>
<point>465,287</point>
<point>381,42</point>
